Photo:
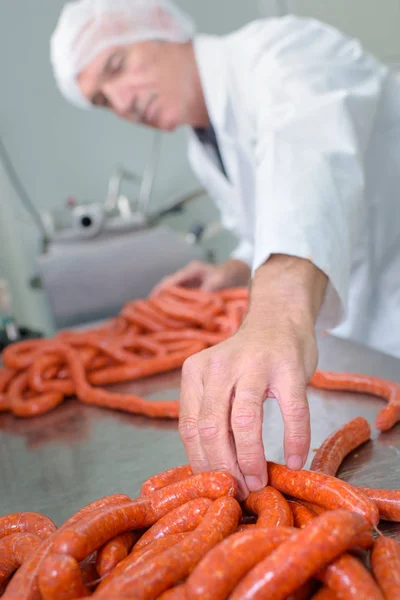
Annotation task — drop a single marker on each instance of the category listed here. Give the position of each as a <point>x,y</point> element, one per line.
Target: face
<point>146,83</point>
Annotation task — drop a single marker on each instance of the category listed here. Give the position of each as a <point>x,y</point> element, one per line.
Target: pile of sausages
<point>149,336</point>
<point>307,534</point>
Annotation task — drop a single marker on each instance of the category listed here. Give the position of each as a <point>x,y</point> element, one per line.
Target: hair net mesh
<point>87,27</point>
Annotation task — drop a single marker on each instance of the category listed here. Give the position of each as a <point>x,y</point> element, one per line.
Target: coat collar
<point>209,53</point>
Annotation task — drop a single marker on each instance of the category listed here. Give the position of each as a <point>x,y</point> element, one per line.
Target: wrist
<point>290,284</point>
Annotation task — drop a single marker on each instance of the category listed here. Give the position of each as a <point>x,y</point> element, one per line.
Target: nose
<point>120,96</point>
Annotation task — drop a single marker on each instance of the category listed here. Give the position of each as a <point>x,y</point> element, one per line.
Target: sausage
<point>187,314</point>
<point>325,593</point>
<point>296,560</point>
<point>387,501</point>
<point>152,549</point>
<point>182,519</point>
<point>165,478</point>
<point>176,593</point>
<point>270,506</point>
<point>38,405</point>
<point>238,293</point>
<point>245,527</point>
<point>6,376</point>
<point>24,584</point>
<point>321,489</point>
<point>27,522</point>
<point>152,366</point>
<point>218,573</point>
<point>60,578</point>
<point>348,577</point>
<point>98,527</point>
<point>207,337</point>
<point>210,485</point>
<point>302,515</point>
<point>156,575</point>
<point>114,551</point>
<point>354,382</point>
<point>331,453</point>
<point>14,550</point>
<point>385,564</point>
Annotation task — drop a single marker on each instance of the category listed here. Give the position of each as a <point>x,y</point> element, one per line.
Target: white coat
<point>308,126</point>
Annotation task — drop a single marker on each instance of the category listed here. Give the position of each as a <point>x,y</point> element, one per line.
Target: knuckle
<point>217,362</point>
<point>296,411</point>
<point>244,419</point>
<point>210,428</point>
<point>190,367</point>
<point>188,428</point>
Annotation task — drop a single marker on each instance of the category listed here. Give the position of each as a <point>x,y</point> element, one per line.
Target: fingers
<point>191,275</point>
<point>289,388</point>
<point>190,403</point>
<point>214,418</point>
<point>247,420</point>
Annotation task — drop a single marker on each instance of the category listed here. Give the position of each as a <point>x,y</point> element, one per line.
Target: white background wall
<point>60,151</point>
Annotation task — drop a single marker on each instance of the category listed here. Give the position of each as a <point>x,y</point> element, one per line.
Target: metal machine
<point>98,255</point>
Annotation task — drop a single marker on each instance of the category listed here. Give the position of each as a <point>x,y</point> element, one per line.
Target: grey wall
<point>59,150</point>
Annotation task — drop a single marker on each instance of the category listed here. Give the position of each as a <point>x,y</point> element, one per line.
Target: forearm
<point>290,284</point>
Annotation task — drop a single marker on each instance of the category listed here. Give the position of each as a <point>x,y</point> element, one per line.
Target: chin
<point>169,121</point>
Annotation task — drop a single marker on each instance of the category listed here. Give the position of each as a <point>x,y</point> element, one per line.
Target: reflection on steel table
<point>57,463</point>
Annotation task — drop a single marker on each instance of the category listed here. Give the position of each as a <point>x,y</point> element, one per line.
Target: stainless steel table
<point>57,463</point>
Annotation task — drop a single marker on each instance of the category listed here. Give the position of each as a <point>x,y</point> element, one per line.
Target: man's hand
<point>207,277</point>
<point>274,353</point>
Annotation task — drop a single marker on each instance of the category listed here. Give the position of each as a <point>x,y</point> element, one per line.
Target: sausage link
<point>245,526</point>
<point>39,404</point>
<point>176,593</point>
<point>321,489</point>
<point>152,366</point>
<point>271,508</point>
<point>154,576</point>
<point>325,593</point>
<point>165,478</point>
<point>27,522</point>
<point>60,578</point>
<point>210,485</point>
<point>114,551</point>
<point>24,584</point>
<point>385,564</point>
<point>339,444</point>
<point>155,547</point>
<point>348,577</point>
<point>14,550</point>
<point>183,519</point>
<point>387,501</point>
<point>218,573</point>
<point>97,528</point>
<point>302,515</point>
<point>354,382</point>
<point>296,560</point>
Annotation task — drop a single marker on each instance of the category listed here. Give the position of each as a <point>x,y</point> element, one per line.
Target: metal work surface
<point>57,463</point>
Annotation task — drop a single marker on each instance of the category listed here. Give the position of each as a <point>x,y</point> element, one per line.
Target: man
<point>294,131</point>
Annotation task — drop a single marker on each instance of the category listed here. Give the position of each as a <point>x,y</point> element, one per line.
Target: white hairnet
<point>86,27</point>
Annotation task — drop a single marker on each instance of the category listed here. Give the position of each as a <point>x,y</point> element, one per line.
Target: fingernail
<point>295,462</point>
<point>253,483</point>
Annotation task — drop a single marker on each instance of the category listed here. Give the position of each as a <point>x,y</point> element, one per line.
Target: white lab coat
<point>308,126</point>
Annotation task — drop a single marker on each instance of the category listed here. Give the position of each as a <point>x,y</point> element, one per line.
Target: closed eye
<point>114,63</point>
